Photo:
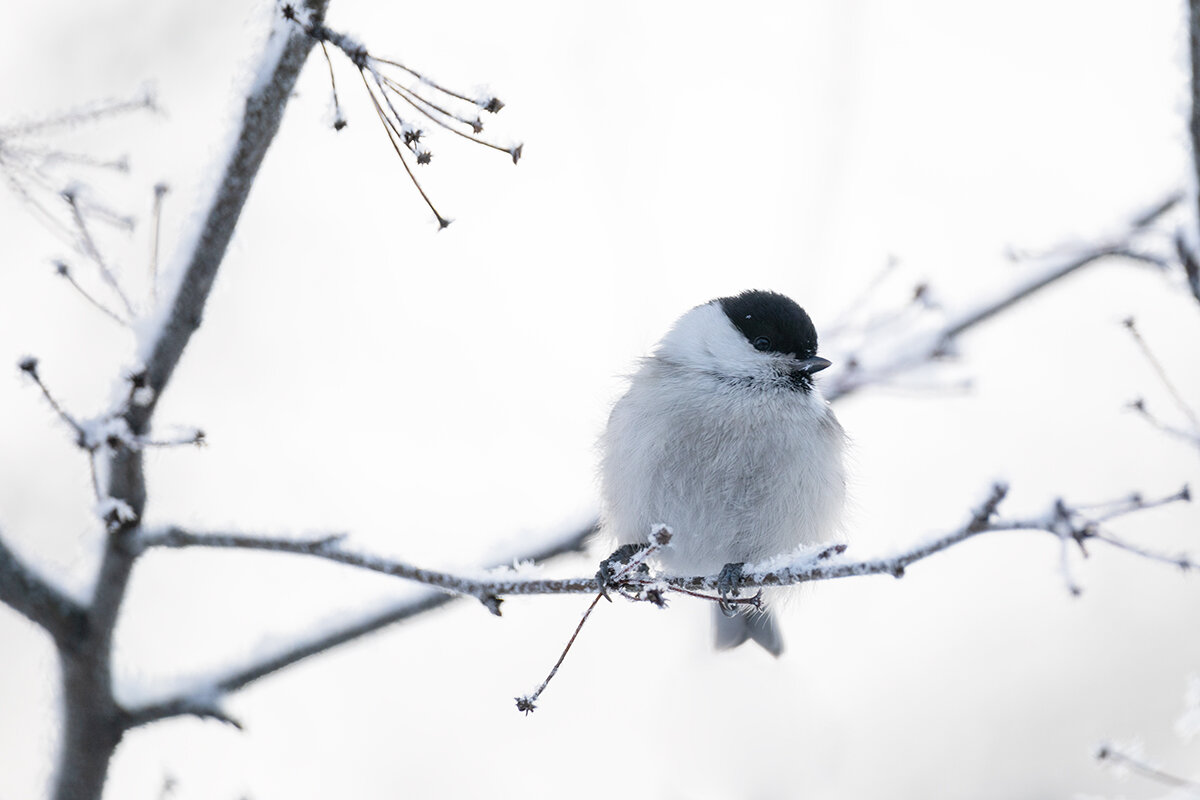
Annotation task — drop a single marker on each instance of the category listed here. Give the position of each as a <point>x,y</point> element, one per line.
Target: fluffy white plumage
<point>718,440</point>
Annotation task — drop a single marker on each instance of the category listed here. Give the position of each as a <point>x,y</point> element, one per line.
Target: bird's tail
<point>745,625</point>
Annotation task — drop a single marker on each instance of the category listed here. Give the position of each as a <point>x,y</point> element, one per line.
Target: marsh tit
<point>724,437</point>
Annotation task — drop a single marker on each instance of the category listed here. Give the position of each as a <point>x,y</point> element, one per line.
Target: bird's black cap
<point>772,322</point>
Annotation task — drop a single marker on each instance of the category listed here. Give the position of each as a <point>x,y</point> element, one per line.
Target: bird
<point>723,436</point>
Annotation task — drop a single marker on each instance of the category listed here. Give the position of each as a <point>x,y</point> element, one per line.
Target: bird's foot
<point>610,566</point>
<point>727,586</point>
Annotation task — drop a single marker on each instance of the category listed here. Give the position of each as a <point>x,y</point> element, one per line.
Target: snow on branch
<point>204,700</point>
<point>37,600</point>
<point>1069,523</point>
<point>201,254</point>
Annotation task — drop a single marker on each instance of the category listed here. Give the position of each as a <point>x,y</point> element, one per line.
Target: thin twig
<point>527,703</point>
<point>339,121</point>
<point>387,126</point>
<point>78,116</point>
<point>1161,372</point>
<point>1108,753</point>
<point>160,191</point>
<point>29,366</point>
<point>389,614</point>
<point>659,539</point>
<point>93,252</point>
<point>62,269</point>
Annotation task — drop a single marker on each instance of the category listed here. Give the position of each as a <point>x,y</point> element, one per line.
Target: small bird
<point>724,437</point>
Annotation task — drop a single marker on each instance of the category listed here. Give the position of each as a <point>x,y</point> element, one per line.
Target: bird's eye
<point>762,343</point>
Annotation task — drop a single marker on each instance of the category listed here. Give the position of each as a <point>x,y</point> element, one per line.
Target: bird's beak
<point>810,365</point>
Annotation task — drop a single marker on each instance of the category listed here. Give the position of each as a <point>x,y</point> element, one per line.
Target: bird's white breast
<point>741,471</point>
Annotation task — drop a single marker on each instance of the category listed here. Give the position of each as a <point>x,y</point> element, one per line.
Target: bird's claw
<point>610,566</point>
<point>728,580</point>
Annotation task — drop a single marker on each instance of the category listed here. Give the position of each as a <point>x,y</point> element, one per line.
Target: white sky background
<point>438,395</point>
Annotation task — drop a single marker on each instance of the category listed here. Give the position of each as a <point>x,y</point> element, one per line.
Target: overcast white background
<point>438,395</point>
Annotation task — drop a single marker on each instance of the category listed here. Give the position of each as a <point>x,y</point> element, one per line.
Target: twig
<point>1192,437</point>
<point>398,131</point>
<point>1161,372</point>
<point>923,347</point>
<point>63,270</point>
<point>339,121</point>
<point>79,116</point>
<point>160,191</point>
<point>659,539</point>
<point>389,614</point>
<point>29,366</point>
<point>395,136</point>
<point>199,706</point>
<point>813,568</point>
<point>1111,754</point>
<point>93,252</point>
<point>527,703</point>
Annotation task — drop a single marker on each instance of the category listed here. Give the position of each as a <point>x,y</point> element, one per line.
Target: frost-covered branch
<point>1188,244</point>
<point>37,600</point>
<point>1071,524</point>
<point>94,723</point>
<point>1068,523</point>
<point>878,359</point>
<point>213,688</point>
<point>201,253</point>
